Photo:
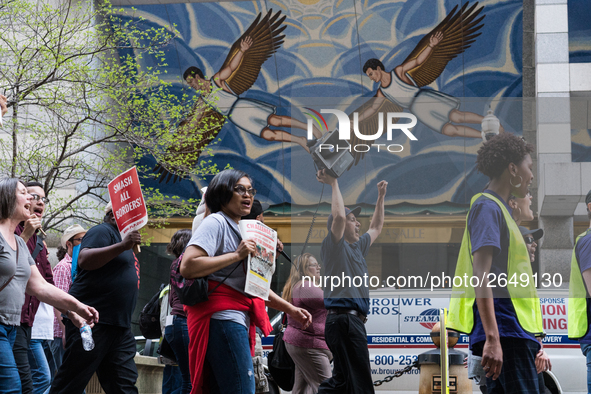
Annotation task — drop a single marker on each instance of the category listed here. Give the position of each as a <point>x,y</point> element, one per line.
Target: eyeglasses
<point>243,190</point>
<point>529,240</point>
<point>77,239</point>
<point>37,197</point>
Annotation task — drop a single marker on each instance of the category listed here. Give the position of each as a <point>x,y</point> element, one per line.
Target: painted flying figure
<point>220,98</point>
<point>403,87</point>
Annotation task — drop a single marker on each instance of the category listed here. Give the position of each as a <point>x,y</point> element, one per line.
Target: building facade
<point>523,62</point>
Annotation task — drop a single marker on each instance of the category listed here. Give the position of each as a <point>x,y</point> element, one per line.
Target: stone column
<point>559,185</point>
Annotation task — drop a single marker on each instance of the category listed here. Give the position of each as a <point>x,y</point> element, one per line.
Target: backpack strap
<point>232,227</point>
<point>38,247</point>
<point>237,265</point>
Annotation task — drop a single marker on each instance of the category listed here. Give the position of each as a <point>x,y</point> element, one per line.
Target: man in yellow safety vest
<point>578,301</point>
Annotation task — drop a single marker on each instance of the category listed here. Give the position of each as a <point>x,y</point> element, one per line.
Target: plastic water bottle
<point>86,334</point>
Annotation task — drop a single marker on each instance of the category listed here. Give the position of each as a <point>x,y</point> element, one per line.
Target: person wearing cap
<point>108,279</point>
<point>62,277</point>
<point>530,237</point>
<point>542,360</point>
<point>343,253</point>
<point>579,303</point>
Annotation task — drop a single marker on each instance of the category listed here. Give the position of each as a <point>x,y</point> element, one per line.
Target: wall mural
<point>581,145</point>
<point>270,66</point>
<point>579,31</point>
<point>579,47</point>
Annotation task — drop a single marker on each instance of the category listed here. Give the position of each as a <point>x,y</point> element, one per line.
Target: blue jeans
<point>171,380</point>
<point>586,349</point>
<point>228,356</point>
<point>40,372</point>
<point>518,374</point>
<point>177,336</point>
<point>10,382</point>
<point>57,350</point>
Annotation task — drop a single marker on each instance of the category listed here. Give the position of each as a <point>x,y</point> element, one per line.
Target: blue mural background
<point>326,45</point>
<point>581,145</point>
<point>579,45</point>
<point>579,31</point>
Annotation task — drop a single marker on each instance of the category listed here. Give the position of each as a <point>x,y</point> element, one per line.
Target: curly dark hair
<point>61,253</point>
<point>497,153</point>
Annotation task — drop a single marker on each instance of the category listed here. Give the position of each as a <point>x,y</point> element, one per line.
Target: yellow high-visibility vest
<point>577,298</point>
<point>524,298</point>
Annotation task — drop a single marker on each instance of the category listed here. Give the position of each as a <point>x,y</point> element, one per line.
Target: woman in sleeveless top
<point>307,347</point>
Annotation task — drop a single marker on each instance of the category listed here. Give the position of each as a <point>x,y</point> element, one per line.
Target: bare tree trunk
<point>14,138</point>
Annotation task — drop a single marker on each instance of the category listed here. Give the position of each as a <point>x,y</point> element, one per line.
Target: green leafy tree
<point>83,106</point>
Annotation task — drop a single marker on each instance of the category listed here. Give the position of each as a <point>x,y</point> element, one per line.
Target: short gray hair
<point>8,187</point>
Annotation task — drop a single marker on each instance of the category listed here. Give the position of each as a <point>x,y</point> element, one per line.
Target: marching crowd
<point>213,335</point>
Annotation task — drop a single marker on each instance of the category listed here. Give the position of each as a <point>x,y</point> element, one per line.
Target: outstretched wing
<point>192,136</point>
<point>266,38</point>
<point>370,125</point>
<point>459,32</point>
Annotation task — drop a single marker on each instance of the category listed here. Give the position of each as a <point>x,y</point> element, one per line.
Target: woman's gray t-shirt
<point>12,297</point>
<point>218,235</point>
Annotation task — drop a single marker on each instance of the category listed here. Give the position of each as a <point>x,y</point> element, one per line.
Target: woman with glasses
<point>307,346</point>
<point>222,329</point>
<point>19,274</point>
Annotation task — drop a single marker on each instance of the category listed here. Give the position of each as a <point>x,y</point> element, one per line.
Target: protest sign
<point>129,207</point>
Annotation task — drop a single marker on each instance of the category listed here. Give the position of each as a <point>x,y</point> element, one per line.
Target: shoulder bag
<point>281,365</point>
<point>194,291</point>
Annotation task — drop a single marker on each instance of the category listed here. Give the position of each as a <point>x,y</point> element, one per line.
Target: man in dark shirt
<point>343,254</point>
<point>108,279</point>
<point>28,231</point>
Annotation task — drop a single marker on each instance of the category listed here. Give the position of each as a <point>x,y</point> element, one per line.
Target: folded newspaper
<point>261,265</point>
